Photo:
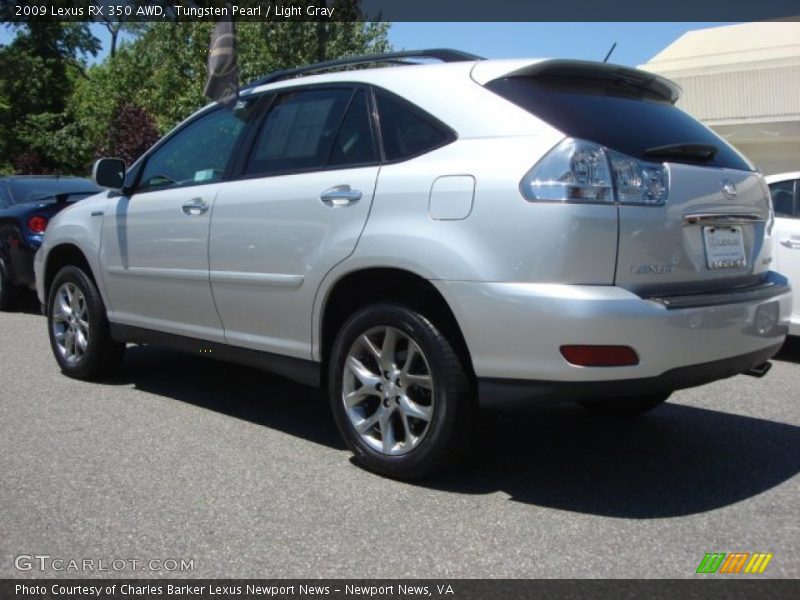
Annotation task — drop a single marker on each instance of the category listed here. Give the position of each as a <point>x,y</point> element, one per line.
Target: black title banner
<point>396,10</point>
<point>343,589</point>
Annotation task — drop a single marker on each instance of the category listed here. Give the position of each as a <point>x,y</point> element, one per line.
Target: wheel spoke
<point>423,381</point>
<point>362,373</point>
<point>413,351</point>
<point>81,342</point>
<point>369,345</point>
<point>412,409</point>
<point>387,359</point>
<point>410,439</point>
<point>388,440</point>
<point>63,305</point>
<point>358,396</point>
<point>365,425</point>
<point>69,344</point>
<point>77,301</point>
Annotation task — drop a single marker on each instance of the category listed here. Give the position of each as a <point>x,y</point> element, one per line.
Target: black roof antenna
<point>614,45</point>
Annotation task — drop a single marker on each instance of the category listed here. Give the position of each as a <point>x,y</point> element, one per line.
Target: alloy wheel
<point>388,391</point>
<point>70,322</point>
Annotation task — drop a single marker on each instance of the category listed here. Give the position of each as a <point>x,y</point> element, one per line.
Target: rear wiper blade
<point>695,151</point>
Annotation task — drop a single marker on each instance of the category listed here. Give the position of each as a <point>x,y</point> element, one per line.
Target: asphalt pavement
<point>239,473</point>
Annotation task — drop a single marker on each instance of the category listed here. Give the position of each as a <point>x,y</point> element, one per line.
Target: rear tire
<point>626,406</point>
<point>80,335</point>
<point>9,293</point>
<point>401,398</point>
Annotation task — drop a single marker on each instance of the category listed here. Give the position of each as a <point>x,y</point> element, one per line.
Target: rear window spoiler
<point>581,70</point>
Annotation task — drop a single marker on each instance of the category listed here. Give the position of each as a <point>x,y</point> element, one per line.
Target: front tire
<point>401,398</point>
<point>626,406</point>
<point>80,336</point>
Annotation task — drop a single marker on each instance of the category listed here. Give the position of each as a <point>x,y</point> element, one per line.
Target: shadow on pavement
<point>230,389</point>
<point>676,460</point>
<point>27,303</point>
<point>790,352</point>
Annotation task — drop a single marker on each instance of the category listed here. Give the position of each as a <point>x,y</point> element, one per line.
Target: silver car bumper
<point>514,330</point>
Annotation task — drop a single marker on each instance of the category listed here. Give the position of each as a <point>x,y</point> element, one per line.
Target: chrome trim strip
<point>234,277</point>
<point>270,279</point>
<point>156,273</point>
<point>722,219</point>
<point>760,292</point>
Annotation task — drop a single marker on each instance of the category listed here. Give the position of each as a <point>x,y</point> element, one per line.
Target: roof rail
<point>442,54</point>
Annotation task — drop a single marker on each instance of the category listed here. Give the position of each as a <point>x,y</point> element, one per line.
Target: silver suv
<point>428,238</point>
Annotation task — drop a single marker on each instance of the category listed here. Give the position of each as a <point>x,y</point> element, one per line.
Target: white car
<point>424,239</point>
<point>785,191</point>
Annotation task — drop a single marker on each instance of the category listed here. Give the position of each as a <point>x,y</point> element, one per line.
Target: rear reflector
<point>600,356</point>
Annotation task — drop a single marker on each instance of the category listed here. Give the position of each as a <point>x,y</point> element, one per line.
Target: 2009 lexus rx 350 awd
<point>425,239</point>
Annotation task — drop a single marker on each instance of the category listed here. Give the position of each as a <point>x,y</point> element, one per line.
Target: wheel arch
<point>355,289</point>
<point>60,256</point>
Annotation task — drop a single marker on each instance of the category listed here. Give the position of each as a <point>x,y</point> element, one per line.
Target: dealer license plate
<point>724,247</point>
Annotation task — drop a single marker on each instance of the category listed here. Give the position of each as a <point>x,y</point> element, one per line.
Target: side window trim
<point>246,144</point>
<point>375,124</point>
<point>339,126</point>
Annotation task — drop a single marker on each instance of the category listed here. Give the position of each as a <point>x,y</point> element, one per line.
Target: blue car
<point>27,203</point>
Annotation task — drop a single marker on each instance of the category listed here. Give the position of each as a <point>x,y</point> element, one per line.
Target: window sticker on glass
<point>207,175</point>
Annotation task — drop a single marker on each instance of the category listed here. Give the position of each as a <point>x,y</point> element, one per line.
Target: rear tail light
<point>600,356</point>
<point>37,224</point>
<point>581,171</point>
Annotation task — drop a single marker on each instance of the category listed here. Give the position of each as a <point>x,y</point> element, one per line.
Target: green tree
<point>57,113</point>
<point>39,69</point>
<point>163,69</point>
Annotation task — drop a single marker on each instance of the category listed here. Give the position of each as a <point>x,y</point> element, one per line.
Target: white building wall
<point>743,81</point>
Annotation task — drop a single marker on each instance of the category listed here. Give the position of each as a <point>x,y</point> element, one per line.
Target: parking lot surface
<point>241,472</point>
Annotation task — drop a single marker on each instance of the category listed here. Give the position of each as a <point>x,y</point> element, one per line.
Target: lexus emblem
<point>728,189</point>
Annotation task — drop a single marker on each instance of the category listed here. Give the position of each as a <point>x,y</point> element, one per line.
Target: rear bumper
<point>497,392</point>
<point>514,330</point>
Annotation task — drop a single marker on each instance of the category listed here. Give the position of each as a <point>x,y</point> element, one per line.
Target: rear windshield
<point>24,191</point>
<point>623,120</point>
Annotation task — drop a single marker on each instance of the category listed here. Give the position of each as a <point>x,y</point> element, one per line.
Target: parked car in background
<point>424,238</point>
<point>785,191</point>
<point>27,203</point>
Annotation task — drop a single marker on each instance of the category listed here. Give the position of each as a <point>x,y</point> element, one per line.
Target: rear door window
<point>298,132</point>
<point>608,114</point>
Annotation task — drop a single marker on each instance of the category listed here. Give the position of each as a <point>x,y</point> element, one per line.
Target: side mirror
<point>109,173</point>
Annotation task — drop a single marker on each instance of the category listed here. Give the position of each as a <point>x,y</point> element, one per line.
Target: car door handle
<point>340,195</point>
<point>791,243</point>
<point>195,207</point>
